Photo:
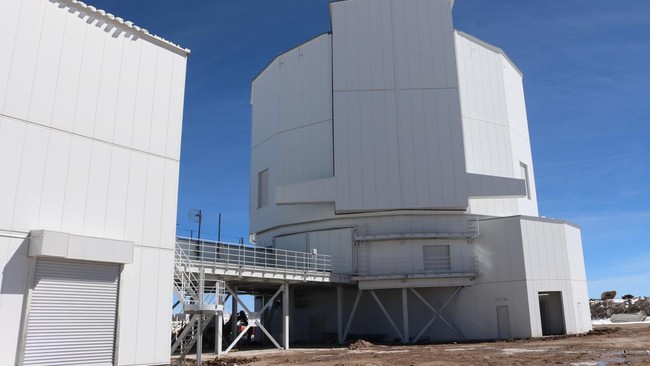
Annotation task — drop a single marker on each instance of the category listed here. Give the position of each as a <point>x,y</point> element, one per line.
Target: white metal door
<point>72,313</point>
<point>503,321</point>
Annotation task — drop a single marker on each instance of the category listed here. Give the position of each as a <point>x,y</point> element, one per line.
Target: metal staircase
<point>201,300</point>
<point>201,269</point>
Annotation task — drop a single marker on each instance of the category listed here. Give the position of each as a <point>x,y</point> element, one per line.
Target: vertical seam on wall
<point>13,51</point>
<point>76,99</point>
<point>144,207</point>
<point>20,169</point>
<point>65,186</point>
<point>155,336</point>
<point>101,68</point>
<point>110,168</point>
<point>153,100</point>
<point>135,97</point>
<point>164,189</point>
<point>119,78</point>
<point>332,94</point>
<point>399,159</point>
<point>20,12</point>
<point>38,52</point>
<point>56,83</point>
<point>128,191</point>
<point>108,188</point>
<point>58,70</point>
<point>169,103</point>
<point>90,163</point>
<point>47,147</point>
<point>137,306</point>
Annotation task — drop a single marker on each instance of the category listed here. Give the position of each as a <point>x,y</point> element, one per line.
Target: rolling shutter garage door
<point>72,313</point>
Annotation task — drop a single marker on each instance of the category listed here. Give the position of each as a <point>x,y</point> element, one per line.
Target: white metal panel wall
<point>366,151</point>
<point>408,256</point>
<point>296,242</point>
<point>90,129</point>
<point>71,72</point>
<point>145,307</point>
<point>484,110</point>
<point>336,242</point>
<point>494,123</point>
<point>62,182</point>
<point>519,135</point>
<point>72,313</point>
<point>500,281</point>
<point>13,280</point>
<point>397,126</point>
<point>294,90</point>
<point>554,262</point>
<point>292,126</point>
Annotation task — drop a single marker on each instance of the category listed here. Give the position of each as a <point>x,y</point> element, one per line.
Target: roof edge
<point>490,47</point>
<point>287,51</point>
<point>533,218</point>
<point>280,55</point>
<point>110,18</point>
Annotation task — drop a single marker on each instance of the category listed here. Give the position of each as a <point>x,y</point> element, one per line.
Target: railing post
<point>199,335</point>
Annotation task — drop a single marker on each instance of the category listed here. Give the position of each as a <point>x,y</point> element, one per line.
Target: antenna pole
<point>219,230</point>
<point>200,219</point>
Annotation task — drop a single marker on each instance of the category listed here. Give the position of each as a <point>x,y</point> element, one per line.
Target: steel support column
<point>285,316</point>
<point>233,312</point>
<point>218,336</point>
<point>354,309</point>
<point>405,316</point>
<point>339,314</point>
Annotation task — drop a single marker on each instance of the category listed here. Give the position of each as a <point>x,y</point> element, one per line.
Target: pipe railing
<point>239,257</point>
<point>443,266</point>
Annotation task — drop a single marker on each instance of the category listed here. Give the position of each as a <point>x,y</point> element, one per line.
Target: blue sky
<point>586,68</point>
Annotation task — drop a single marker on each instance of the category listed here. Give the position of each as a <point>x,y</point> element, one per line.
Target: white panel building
<point>90,128</point>
<point>400,145</point>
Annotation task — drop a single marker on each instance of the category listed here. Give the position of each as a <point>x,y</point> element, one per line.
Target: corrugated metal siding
<point>72,313</point>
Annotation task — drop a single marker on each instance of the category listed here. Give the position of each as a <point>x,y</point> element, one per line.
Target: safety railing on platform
<point>230,256</point>
<point>430,266</point>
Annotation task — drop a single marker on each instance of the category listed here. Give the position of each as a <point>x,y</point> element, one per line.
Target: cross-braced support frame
<point>254,318</point>
<point>404,334</point>
<point>437,313</point>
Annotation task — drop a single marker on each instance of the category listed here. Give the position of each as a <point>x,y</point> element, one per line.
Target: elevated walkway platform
<point>207,273</point>
<point>238,262</point>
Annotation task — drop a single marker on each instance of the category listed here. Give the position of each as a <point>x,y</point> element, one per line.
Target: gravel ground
<point>620,344</point>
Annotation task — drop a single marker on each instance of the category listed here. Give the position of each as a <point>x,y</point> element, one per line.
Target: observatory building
<point>90,128</point>
<point>400,146</point>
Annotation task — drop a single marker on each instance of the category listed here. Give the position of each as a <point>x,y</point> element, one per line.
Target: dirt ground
<point>607,345</point>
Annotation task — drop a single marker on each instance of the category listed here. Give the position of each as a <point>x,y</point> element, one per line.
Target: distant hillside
<point>601,309</point>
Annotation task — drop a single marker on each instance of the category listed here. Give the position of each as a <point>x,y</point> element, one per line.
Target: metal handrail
<point>418,266</point>
<point>239,257</point>
<point>188,284</point>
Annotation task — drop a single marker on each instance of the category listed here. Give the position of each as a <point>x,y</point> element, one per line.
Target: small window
<point>524,176</point>
<point>263,188</point>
